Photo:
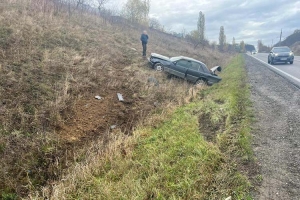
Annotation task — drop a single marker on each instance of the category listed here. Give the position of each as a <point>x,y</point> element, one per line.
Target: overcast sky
<point>248,20</point>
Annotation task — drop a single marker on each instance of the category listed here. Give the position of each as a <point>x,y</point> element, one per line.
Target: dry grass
<point>168,158</point>
<point>50,62</point>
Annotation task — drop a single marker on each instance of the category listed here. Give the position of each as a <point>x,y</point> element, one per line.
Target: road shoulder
<point>276,141</point>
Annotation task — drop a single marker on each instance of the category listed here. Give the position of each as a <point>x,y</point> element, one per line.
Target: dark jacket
<point>144,38</point>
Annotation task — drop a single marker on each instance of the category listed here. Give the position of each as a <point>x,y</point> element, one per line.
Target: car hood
<point>160,56</point>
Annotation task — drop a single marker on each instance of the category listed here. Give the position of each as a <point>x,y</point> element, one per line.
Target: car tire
<point>159,67</point>
<point>272,61</point>
<point>291,62</point>
<point>268,61</point>
<point>201,82</point>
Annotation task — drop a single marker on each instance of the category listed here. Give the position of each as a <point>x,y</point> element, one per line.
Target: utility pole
<point>280,36</point>
<point>272,42</point>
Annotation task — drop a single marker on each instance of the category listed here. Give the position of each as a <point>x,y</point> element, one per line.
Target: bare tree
<point>214,45</point>
<point>222,38</point>
<point>201,26</point>
<point>79,3</point>
<point>233,44</point>
<point>101,4</point>
<point>154,23</point>
<point>137,11</point>
<point>242,46</point>
<point>183,32</point>
<point>193,37</point>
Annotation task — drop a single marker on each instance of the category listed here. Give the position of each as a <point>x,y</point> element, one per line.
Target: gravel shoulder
<point>276,137</point>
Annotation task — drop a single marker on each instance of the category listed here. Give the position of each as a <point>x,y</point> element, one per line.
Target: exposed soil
<point>93,116</point>
<point>276,139</point>
<point>208,129</point>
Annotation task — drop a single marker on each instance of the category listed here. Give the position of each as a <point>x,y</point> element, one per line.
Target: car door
<point>179,68</point>
<point>194,72</point>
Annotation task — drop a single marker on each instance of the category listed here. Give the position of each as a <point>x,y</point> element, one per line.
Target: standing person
<point>144,39</point>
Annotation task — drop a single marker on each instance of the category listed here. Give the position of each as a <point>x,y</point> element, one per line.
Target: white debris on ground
<point>113,126</point>
<point>98,97</point>
<point>120,97</point>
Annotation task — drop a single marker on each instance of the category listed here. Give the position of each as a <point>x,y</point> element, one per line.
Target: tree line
<point>137,12</point>
<point>198,38</point>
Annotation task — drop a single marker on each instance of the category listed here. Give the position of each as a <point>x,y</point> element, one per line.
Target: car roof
<point>186,58</point>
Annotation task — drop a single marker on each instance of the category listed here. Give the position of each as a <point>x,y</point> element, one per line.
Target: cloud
<point>248,20</point>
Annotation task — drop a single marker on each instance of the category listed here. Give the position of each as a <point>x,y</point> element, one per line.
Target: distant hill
<point>290,40</point>
<point>296,48</point>
<point>293,41</point>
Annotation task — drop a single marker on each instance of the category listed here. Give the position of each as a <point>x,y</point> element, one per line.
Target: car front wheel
<point>201,82</point>
<point>158,67</point>
<point>291,62</point>
<point>268,61</point>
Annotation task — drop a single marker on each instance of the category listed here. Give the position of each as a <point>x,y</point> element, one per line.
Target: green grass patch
<point>174,160</point>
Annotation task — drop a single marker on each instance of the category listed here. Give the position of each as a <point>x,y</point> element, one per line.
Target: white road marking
<point>296,79</point>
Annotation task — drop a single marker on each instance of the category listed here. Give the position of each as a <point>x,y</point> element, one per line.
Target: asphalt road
<point>289,71</point>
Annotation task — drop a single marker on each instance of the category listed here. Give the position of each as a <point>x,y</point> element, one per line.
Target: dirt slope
<point>276,140</point>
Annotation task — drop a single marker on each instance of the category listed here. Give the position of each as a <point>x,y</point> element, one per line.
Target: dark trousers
<point>144,48</point>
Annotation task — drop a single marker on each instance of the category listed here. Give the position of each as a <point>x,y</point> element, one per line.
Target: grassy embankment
<point>197,152</point>
<point>53,61</point>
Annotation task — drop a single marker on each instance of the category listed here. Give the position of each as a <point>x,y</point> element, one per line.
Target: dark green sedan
<point>187,68</point>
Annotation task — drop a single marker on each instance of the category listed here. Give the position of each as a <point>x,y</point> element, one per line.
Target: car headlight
<point>291,54</point>
<point>276,54</point>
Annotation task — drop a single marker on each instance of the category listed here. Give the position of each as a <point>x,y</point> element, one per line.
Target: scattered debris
<point>228,198</point>
<point>120,97</point>
<point>113,126</point>
<point>153,80</point>
<point>133,49</point>
<point>98,97</point>
<point>156,104</point>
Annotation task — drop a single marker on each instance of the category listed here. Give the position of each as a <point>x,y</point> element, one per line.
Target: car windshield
<point>284,49</point>
<point>174,59</point>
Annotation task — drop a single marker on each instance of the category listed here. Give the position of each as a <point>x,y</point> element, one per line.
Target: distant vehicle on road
<point>184,67</point>
<point>281,54</point>
<point>253,52</point>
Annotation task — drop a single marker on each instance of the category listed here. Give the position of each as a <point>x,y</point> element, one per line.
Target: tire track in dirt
<point>276,139</point>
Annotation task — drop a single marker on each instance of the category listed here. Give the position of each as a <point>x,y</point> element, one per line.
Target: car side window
<point>183,63</point>
<point>196,66</point>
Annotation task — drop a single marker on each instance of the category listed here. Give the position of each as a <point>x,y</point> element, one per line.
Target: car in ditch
<point>281,54</point>
<point>187,68</point>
